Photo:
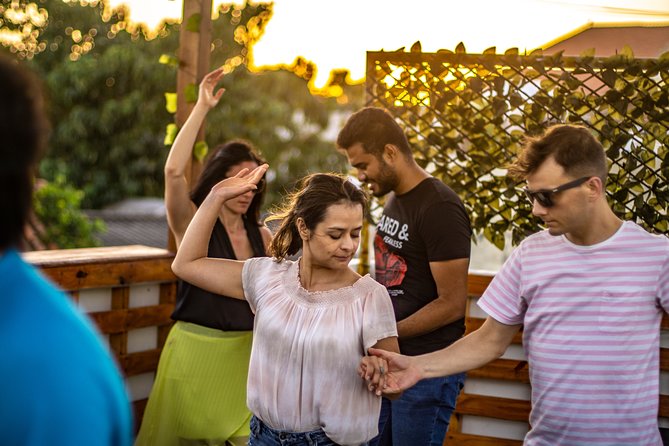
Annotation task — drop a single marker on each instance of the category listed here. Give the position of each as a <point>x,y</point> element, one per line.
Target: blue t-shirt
<point>58,383</point>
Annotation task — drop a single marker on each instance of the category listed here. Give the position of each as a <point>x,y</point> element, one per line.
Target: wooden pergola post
<point>194,56</point>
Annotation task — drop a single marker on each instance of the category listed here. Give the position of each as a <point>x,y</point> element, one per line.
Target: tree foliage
<point>107,104</point>
<point>58,208</point>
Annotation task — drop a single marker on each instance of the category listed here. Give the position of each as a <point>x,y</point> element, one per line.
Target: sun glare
<point>335,34</point>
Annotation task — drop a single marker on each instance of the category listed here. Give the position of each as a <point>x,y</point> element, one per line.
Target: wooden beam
<point>194,59</point>
<point>122,320</point>
<point>505,369</point>
<point>112,274</point>
<point>459,439</point>
<point>477,283</point>
<point>493,407</point>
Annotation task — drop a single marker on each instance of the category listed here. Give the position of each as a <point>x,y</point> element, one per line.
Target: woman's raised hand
<point>206,95</point>
<point>246,180</point>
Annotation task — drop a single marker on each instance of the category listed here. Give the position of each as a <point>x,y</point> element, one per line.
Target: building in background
<point>647,40</point>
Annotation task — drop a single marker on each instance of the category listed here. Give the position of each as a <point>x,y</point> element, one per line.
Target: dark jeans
<point>420,417</point>
<point>263,435</point>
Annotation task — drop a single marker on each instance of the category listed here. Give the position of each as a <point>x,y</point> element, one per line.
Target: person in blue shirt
<point>58,384</point>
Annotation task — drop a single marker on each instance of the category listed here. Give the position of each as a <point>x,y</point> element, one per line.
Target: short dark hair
<point>315,194</point>
<point>572,146</point>
<point>24,129</point>
<point>373,127</point>
<point>219,163</point>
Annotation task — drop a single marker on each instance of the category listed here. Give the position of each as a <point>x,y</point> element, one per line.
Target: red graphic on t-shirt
<point>390,268</point>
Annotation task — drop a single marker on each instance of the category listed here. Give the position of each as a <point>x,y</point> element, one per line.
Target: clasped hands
<point>374,370</point>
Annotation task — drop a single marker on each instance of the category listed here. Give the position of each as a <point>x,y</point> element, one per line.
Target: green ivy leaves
<point>466,115</point>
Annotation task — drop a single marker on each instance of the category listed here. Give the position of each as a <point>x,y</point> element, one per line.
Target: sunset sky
<point>337,33</point>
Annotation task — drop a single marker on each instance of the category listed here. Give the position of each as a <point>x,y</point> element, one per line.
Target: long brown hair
<point>315,194</point>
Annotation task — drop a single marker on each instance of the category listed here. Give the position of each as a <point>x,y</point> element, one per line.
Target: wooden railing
<point>130,291</point>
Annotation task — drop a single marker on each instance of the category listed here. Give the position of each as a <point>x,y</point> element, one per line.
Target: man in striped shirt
<point>589,291</point>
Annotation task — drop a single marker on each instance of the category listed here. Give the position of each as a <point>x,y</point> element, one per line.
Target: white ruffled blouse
<point>307,347</point>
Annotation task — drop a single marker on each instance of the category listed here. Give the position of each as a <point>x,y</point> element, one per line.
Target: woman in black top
<point>199,393</point>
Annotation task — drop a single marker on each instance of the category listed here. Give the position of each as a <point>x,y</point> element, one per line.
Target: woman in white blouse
<point>315,317</point>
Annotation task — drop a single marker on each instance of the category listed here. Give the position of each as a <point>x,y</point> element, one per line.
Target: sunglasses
<point>545,196</point>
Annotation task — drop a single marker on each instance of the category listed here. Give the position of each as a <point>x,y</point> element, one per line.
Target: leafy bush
<point>58,207</point>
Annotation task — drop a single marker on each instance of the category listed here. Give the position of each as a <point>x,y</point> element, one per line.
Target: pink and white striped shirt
<point>591,318</point>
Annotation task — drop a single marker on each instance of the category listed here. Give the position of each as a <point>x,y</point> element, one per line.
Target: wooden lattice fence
<point>466,115</point>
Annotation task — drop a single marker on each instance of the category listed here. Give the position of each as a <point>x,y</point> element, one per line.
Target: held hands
<point>245,181</point>
<point>206,95</point>
<point>389,372</point>
<point>374,370</point>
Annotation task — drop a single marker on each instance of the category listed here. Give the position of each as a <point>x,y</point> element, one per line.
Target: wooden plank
<point>505,369</point>
<point>118,342</point>
<point>109,322</point>
<point>138,408</point>
<point>460,439</point>
<point>455,423</point>
<point>664,359</point>
<point>141,317</point>
<point>194,59</point>
<point>493,407</point>
<point>168,293</point>
<point>664,406</point>
<point>105,275</point>
<point>66,257</point>
<point>477,283</point>
<point>74,294</point>
<point>140,362</point>
<point>665,321</point>
<point>117,321</point>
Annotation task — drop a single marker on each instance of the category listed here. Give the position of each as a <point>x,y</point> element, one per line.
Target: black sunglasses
<point>545,196</point>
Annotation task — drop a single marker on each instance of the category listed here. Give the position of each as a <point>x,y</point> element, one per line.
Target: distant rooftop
<point>649,40</point>
<point>136,221</point>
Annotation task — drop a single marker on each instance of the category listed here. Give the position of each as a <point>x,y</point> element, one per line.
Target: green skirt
<point>199,394</point>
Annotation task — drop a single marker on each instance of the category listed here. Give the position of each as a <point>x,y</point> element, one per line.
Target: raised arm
<point>474,350</point>
<point>220,276</point>
<point>180,209</point>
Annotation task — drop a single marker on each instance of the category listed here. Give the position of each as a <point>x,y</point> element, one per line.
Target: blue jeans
<point>263,435</point>
<point>420,417</point>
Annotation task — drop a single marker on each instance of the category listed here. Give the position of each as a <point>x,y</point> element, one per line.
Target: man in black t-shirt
<point>422,247</point>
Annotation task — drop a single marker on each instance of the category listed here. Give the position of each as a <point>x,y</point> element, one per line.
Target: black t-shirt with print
<point>426,224</point>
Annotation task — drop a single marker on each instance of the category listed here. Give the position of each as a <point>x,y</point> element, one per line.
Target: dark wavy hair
<point>24,129</point>
<point>314,195</point>
<point>225,157</point>
<point>572,146</point>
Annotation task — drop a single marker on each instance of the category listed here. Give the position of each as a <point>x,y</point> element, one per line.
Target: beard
<point>387,180</point>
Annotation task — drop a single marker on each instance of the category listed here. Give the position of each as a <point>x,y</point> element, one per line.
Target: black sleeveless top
<point>211,310</point>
